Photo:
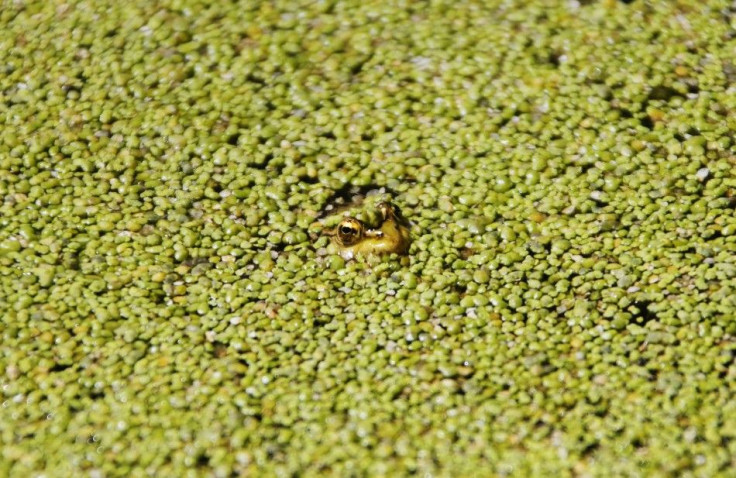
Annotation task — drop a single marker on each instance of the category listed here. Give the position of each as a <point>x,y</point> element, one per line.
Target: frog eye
<point>349,231</point>
<point>387,210</point>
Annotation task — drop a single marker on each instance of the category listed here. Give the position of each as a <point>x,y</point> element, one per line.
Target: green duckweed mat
<point>168,304</point>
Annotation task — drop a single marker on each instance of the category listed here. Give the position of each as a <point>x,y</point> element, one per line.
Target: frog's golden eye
<point>349,231</point>
<point>389,212</point>
<point>386,210</point>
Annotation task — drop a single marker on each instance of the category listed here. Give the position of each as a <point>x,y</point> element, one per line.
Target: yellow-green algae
<point>568,304</point>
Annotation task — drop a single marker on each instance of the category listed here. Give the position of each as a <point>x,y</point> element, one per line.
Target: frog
<point>354,237</point>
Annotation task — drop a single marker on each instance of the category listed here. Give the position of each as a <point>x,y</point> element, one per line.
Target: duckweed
<point>566,306</point>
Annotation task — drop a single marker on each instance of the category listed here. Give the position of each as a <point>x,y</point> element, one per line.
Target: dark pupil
<point>347,230</point>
